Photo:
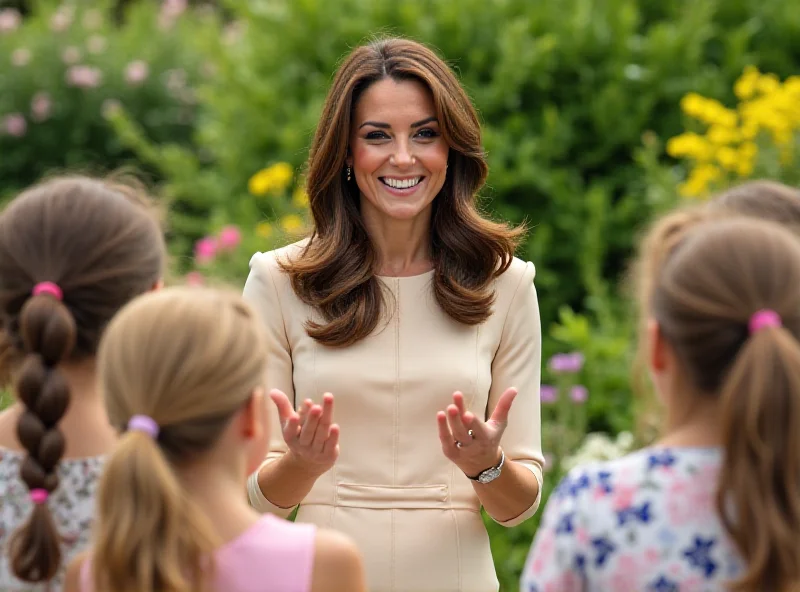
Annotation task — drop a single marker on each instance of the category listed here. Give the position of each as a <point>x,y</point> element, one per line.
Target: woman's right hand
<point>312,438</point>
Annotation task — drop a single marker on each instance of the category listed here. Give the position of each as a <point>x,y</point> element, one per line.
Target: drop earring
<point>348,172</point>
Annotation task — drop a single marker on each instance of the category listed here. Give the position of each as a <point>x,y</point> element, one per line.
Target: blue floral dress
<point>644,522</point>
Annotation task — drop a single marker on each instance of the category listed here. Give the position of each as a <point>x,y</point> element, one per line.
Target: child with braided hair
<point>73,251</point>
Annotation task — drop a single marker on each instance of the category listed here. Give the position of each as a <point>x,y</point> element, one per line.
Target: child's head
<point>724,327</point>
<point>182,372</point>
<point>766,200</point>
<point>73,251</point>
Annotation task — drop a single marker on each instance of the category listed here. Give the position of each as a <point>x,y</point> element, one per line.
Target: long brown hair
<point>336,270</point>
<point>188,358</point>
<point>767,200</point>
<point>101,243</point>
<point>708,289</point>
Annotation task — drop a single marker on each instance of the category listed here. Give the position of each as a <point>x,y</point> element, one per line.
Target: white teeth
<point>401,183</point>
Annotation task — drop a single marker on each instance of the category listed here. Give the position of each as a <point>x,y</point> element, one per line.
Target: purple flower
<point>84,76</point>
<point>10,18</point>
<point>548,393</point>
<point>14,124</point>
<point>136,72</point>
<point>566,363</point>
<point>578,394</point>
<point>205,250</point>
<point>230,237</point>
<point>41,106</point>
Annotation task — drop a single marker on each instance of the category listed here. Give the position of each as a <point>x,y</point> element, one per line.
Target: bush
<point>66,65</point>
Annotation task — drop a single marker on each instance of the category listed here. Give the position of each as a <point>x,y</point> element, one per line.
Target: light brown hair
<point>101,243</point>
<point>189,358</point>
<point>767,200</point>
<point>718,275</point>
<point>336,271</point>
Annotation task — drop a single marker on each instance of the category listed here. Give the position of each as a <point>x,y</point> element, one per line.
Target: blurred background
<point>598,115</point>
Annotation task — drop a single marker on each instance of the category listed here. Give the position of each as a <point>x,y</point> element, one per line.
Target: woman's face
<point>397,153</point>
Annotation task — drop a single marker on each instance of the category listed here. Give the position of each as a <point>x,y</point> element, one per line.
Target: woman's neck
<point>403,246</point>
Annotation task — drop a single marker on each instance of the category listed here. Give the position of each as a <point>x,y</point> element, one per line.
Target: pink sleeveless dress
<point>273,555</point>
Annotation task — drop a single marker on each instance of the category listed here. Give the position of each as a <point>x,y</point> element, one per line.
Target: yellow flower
<point>264,229</point>
<point>291,223</point>
<point>728,158</point>
<point>689,144</point>
<point>692,104</point>
<point>699,180</point>
<point>744,168</point>
<point>748,151</point>
<point>768,83</point>
<point>723,135</point>
<point>792,85</point>
<point>745,86</point>
<point>273,179</point>
<point>300,198</point>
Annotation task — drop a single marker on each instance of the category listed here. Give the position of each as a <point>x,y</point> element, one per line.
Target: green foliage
<point>66,65</point>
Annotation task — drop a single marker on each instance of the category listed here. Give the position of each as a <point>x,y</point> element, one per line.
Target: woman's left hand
<point>471,443</point>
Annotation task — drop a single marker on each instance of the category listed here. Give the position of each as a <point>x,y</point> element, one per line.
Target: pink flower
<point>96,44</point>
<point>15,125</point>
<point>41,106</point>
<point>205,250</point>
<point>84,76</point>
<point>578,394</point>
<point>136,72</point>
<point>195,278</point>
<point>71,55</point>
<point>20,57</point>
<point>170,11</point>
<point>61,20</point>
<point>230,237</point>
<point>10,19</point>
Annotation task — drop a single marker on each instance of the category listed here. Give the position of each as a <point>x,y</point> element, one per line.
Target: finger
<point>500,413</point>
<point>458,399</point>
<point>281,401</point>
<point>310,426</point>
<point>332,443</point>
<point>323,428</point>
<point>476,426</point>
<point>291,430</point>
<point>304,409</point>
<point>457,425</point>
<point>445,436</point>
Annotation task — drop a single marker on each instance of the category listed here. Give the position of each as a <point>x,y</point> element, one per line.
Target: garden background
<point>598,115</point>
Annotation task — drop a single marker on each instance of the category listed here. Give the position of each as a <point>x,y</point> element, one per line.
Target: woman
<point>412,311</point>
<point>715,504</point>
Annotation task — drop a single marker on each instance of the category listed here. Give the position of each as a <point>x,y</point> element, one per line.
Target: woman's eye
<point>427,133</point>
<point>375,136</point>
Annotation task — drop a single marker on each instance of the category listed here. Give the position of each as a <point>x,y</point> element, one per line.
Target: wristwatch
<point>492,473</point>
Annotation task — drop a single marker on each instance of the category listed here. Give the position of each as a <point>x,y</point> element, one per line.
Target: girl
<point>73,251</point>
<point>182,372</point>
<point>716,502</point>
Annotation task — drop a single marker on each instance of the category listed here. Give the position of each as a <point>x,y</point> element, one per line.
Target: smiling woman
<point>411,308</point>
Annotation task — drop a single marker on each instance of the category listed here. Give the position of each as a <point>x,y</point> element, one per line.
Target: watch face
<point>489,475</point>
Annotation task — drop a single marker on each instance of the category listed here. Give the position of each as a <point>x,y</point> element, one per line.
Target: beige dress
<point>412,512</point>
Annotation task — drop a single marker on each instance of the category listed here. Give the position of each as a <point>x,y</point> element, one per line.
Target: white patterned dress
<point>72,506</point>
<point>646,522</point>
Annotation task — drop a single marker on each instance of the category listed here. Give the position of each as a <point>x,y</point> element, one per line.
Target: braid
<point>48,333</point>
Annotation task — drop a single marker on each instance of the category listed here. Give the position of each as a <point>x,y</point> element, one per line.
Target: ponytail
<point>149,536</point>
<point>759,486</point>
<point>47,329</point>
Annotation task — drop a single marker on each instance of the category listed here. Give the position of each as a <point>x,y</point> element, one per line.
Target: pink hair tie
<point>39,496</point>
<point>143,423</point>
<point>763,319</point>
<point>48,288</point>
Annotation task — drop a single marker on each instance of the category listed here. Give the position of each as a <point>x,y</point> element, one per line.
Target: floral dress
<point>644,522</point>
<point>72,506</point>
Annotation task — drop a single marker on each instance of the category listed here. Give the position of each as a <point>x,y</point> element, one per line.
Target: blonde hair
<point>715,277</point>
<point>189,358</point>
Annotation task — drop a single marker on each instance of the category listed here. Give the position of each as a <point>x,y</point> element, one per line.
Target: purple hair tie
<point>143,423</point>
<point>39,496</point>
<point>763,319</point>
<point>48,288</point>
